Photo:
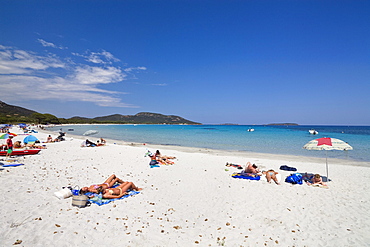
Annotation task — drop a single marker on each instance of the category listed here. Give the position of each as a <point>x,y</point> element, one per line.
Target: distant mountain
<point>10,113</point>
<point>145,117</point>
<point>12,110</point>
<point>287,124</point>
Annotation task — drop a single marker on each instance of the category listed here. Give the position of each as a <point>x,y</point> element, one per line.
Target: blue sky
<point>242,62</point>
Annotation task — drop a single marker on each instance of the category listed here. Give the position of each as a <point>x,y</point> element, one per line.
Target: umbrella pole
<point>327,168</point>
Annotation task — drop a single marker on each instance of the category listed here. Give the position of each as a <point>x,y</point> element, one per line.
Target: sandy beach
<point>194,202</point>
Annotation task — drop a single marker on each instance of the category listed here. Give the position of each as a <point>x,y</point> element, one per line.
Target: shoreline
<point>226,152</point>
<point>194,202</point>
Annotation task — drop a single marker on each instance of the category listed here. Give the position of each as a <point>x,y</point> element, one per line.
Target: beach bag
<point>295,178</point>
<point>63,193</point>
<point>78,199</point>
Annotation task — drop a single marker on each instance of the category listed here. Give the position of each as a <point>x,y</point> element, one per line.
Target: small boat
<point>90,132</point>
<point>313,132</point>
<point>70,129</point>
<point>250,130</point>
<point>21,152</point>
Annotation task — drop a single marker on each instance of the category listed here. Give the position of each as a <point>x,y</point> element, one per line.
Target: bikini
<point>97,186</point>
<point>111,191</point>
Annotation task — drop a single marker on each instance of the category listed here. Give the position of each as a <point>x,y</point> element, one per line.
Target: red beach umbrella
<point>326,144</point>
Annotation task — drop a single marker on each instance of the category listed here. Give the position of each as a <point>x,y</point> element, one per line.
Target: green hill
<point>16,114</point>
<point>12,110</point>
<point>145,117</point>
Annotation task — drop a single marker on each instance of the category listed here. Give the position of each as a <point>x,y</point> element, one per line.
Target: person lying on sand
<point>271,174</point>
<point>164,159</point>
<point>316,180</point>
<point>119,191</point>
<point>252,169</point>
<point>18,144</point>
<point>90,143</point>
<point>106,185</point>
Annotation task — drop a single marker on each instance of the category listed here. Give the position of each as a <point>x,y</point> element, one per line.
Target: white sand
<point>192,203</point>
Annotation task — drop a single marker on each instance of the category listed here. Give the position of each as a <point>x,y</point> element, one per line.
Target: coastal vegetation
<point>10,114</point>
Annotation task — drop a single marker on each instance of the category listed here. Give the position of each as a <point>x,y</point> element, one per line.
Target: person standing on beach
<point>9,146</point>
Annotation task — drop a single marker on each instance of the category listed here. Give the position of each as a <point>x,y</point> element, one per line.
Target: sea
<point>286,140</point>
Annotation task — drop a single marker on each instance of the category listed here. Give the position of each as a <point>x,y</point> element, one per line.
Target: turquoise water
<point>265,139</point>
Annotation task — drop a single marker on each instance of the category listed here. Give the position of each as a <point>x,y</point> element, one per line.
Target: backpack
<point>295,178</point>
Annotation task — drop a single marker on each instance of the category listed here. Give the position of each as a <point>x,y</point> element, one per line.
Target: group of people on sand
<point>107,190</point>
<point>10,146</point>
<point>252,170</point>
<point>18,144</point>
<point>50,139</point>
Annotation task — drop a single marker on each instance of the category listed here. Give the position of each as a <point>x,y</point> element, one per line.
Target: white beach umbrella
<point>90,132</point>
<point>326,144</point>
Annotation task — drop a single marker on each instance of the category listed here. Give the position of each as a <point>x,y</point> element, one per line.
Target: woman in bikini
<point>164,159</point>
<point>119,191</point>
<point>107,184</point>
<point>271,175</point>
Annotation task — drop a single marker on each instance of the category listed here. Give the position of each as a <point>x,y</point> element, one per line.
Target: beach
<point>194,202</point>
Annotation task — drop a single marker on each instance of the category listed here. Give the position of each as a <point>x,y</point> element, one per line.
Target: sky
<point>209,61</point>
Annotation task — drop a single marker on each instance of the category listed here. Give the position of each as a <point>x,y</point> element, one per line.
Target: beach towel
<point>9,165</point>
<point>100,201</point>
<point>245,176</point>
<point>234,165</point>
<point>288,168</point>
<point>95,198</point>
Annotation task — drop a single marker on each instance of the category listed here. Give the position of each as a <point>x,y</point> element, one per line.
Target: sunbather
<point>119,191</point>
<point>316,180</point>
<point>90,143</point>
<point>164,159</point>
<point>252,169</point>
<point>107,184</point>
<point>271,174</point>
<point>49,139</point>
<point>18,144</point>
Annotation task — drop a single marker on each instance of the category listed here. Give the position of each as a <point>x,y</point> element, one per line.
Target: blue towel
<point>97,200</point>
<point>9,165</point>
<point>244,176</point>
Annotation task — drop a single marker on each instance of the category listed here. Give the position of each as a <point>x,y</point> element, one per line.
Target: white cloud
<point>103,57</point>
<point>30,76</point>
<point>98,75</point>
<point>49,44</point>
<point>22,62</point>
<point>134,68</point>
<point>160,84</point>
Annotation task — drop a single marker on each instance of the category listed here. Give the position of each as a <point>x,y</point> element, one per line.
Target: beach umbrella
<point>6,135</point>
<point>90,132</point>
<point>30,139</point>
<point>326,144</point>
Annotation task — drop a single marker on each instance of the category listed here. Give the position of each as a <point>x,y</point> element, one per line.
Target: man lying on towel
<point>251,170</point>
